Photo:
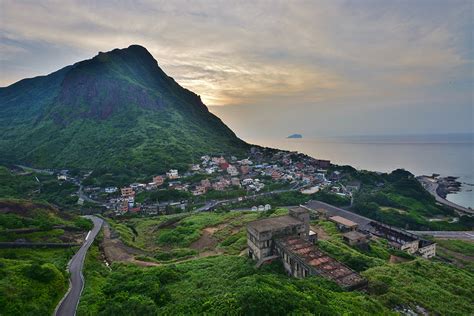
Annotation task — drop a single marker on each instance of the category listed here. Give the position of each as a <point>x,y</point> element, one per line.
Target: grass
<point>173,241</point>
<point>463,247</point>
<point>95,274</point>
<point>439,288</point>
<point>459,253</point>
<point>220,285</point>
<point>32,281</point>
<point>230,284</point>
<point>398,199</point>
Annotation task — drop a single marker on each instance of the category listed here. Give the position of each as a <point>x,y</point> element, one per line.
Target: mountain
<point>117,112</point>
<point>295,136</point>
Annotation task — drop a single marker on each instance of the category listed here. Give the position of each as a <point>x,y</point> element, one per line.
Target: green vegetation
<point>359,259</point>
<point>457,252</point>
<point>275,200</point>
<point>230,284</point>
<point>441,289</point>
<point>170,237</point>
<point>464,247</point>
<point>32,281</point>
<point>117,114</point>
<point>331,198</point>
<point>218,285</point>
<point>16,186</point>
<point>39,217</point>
<point>95,274</point>
<point>398,199</point>
<point>39,187</point>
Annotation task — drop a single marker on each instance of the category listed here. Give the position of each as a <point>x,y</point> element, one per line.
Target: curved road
<point>431,186</point>
<point>68,305</point>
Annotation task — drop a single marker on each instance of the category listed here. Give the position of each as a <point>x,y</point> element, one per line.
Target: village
<point>219,180</point>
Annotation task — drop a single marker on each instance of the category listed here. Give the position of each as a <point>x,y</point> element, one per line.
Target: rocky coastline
<point>448,185</point>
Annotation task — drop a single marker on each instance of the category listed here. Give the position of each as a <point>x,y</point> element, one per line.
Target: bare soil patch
<point>395,259</point>
<point>205,241</point>
<point>116,251</point>
<point>322,235</point>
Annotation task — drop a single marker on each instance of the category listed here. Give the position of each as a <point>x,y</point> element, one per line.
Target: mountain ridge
<point>119,107</point>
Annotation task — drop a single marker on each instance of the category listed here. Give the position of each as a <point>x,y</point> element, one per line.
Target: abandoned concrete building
<point>355,238</point>
<point>348,221</point>
<point>404,240</point>
<point>288,238</point>
<point>343,224</point>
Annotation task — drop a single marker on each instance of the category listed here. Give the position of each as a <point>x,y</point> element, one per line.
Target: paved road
<point>68,305</point>
<point>462,235</point>
<point>431,186</point>
<point>331,210</point>
<point>212,204</point>
<point>83,196</point>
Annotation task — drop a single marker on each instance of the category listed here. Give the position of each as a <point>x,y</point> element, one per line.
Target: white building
<point>172,174</point>
<point>211,170</point>
<point>111,189</point>
<point>232,171</point>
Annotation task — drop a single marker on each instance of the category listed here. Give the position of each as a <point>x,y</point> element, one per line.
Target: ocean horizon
<point>444,154</point>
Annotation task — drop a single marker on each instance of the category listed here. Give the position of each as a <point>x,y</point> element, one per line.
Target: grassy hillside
<point>226,283</point>
<point>37,187</point>
<point>38,221</point>
<point>176,237</point>
<point>117,112</point>
<point>32,281</point>
<point>398,199</point>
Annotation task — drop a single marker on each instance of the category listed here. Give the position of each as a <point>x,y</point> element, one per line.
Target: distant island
<point>295,136</point>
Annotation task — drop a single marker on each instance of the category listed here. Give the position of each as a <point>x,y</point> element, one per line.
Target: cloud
<point>312,53</point>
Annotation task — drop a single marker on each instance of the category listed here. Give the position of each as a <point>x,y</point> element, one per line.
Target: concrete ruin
<point>397,237</point>
<point>288,238</point>
<point>405,241</point>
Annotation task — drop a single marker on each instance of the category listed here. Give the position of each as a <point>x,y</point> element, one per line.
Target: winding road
<point>431,186</point>
<point>68,305</point>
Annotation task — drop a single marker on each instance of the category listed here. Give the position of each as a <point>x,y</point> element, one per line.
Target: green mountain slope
<point>117,111</point>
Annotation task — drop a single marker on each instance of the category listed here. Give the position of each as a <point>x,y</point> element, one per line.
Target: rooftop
<point>331,210</point>
<point>299,210</point>
<point>354,235</point>
<point>274,223</point>
<point>343,221</point>
<point>325,265</point>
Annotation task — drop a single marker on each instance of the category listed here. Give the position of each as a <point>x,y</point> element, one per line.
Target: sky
<point>273,68</point>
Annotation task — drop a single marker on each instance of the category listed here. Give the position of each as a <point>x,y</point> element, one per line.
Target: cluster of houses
<point>250,174</point>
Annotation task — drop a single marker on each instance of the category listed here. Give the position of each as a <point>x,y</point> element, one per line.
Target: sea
<point>444,154</point>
